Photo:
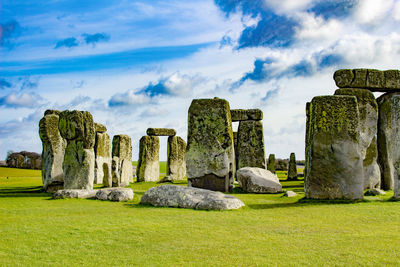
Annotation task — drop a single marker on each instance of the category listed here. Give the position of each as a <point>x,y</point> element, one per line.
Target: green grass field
<point>271,230</point>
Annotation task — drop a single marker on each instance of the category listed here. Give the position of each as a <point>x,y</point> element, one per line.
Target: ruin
<point>121,160</point>
<point>271,163</point>
<point>102,151</point>
<point>292,171</point>
<point>148,169</point>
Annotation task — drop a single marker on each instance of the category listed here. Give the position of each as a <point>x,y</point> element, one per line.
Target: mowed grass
<point>271,230</point>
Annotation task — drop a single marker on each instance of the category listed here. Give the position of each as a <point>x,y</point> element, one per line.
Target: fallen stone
<point>148,169</point>
<point>161,132</point>
<point>75,193</point>
<point>258,180</point>
<point>176,162</point>
<point>119,194</point>
<point>290,194</point>
<point>246,114</point>
<point>189,198</point>
<point>374,192</point>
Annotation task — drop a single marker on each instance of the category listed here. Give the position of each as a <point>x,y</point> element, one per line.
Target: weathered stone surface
<point>374,192</point>
<point>290,194</point>
<point>115,194</point>
<point>250,149</point>
<point>371,79</point>
<point>334,163</point>
<point>75,193</point>
<point>258,180</point>
<point>271,163</point>
<point>176,158</point>
<point>52,112</point>
<point>78,165</point>
<point>389,140</point>
<point>102,151</point>
<point>100,128</point>
<point>189,198</point>
<point>210,156</point>
<point>161,132</point>
<point>246,114</point>
<point>53,152</point>
<point>121,165</point>
<point>368,110</point>
<point>148,169</point>
<point>292,171</point>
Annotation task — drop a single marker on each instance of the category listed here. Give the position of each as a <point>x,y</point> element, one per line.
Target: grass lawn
<point>270,230</point>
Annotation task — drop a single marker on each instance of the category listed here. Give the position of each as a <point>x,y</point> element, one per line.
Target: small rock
<point>290,194</point>
<point>374,192</point>
<point>75,193</point>
<point>258,180</point>
<point>115,194</point>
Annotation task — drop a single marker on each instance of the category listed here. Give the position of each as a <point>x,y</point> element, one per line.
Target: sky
<point>139,64</point>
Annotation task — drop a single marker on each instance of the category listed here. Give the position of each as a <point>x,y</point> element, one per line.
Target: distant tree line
<point>24,160</point>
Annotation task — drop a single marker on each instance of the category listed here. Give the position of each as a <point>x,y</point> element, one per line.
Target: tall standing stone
<point>210,155</point>
<point>121,165</point>
<point>368,109</point>
<point>250,150</point>
<point>389,140</point>
<point>53,151</point>
<point>176,163</point>
<point>335,164</point>
<point>77,127</point>
<point>102,151</point>
<point>148,169</point>
<point>292,172</point>
<point>271,163</point>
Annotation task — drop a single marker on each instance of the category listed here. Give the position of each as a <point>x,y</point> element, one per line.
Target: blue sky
<point>138,64</point>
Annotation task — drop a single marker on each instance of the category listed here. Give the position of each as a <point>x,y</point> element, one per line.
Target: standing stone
<point>53,152</point>
<point>271,163</point>
<point>102,151</point>
<point>389,139</point>
<point>78,128</point>
<point>148,169</point>
<point>250,150</point>
<point>210,155</point>
<point>121,165</point>
<point>176,163</point>
<point>368,109</point>
<point>307,138</point>
<point>334,166</point>
<point>292,172</point>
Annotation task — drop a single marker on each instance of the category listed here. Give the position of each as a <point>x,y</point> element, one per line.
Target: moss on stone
<point>392,79</point>
<point>343,77</point>
<point>149,147</point>
<point>100,128</point>
<point>122,146</point>
<point>250,148</point>
<point>102,147</point>
<point>360,78</point>
<point>271,163</point>
<point>375,79</point>
<point>176,155</point>
<point>52,111</point>
<point>292,171</point>
<point>161,132</point>
<point>364,98</point>
<point>246,114</point>
<point>77,125</point>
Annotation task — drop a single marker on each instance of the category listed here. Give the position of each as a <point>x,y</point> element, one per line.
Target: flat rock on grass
<point>290,194</point>
<point>115,194</point>
<point>189,198</point>
<point>74,193</point>
<point>374,192</point>
<point>258,180</point>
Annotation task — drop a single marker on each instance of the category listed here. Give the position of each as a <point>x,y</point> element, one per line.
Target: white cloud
<point>287,6</point>
<point>21,100</point>
<point>317,29</point>
<point>372,11</point>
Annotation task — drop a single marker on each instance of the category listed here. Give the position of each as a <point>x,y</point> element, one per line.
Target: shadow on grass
<point>30,191</point>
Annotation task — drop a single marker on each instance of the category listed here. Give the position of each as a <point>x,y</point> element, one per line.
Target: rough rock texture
<point>161,132</point>
<point>271,163</point>
<point>292,172</point>
<point>53,152</point>
<point>52,112</point>
<point>334,161</point>
<point>389,140</point>
<point>374,192</point>
<point>246,114</point>
<point>250,149</point>
<point>102,152</point>
<point>176,154</point>
<point>121,165</point>
<point>115,194</point>
<point>368,109</point>
<point>75,193</point>
<point>78,128</point>
<point>189,198</point>
<point>373,80</point>
<point>100,128</point>
<point>148,169</point>
<point>210,156</point>
<point>290,194</point>
<point>258,180</point>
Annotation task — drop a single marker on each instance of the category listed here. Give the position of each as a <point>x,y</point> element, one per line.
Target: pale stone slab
<point>258,180</point>
<point>148,169</point>
<point>121,165</point>
<point>176,158</point>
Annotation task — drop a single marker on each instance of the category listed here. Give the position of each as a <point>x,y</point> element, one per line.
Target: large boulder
<point>333,156</point>
<point>102,151</point>
<point>258,180</point>
<point>53,145</point>
<point>368,109</point>
<point>75,193</point>
<point>118,194</point>
<point>210,156</point>
<point>176,163</point>
<point>292,171</point>
<point>189,198</point>
<point>389,141</point>
<point>121,165</point>
<point>250,149</point>
<point>77,127</point>
<point>148,169</point>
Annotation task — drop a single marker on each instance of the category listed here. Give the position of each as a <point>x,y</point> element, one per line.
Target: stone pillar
<point>389,139</point>
<point>210,155</point>
<point>53,151</point>
<point>176,160</point>
<point>368,109</point>
<point>148,169</point>
<point>292,171</point>
<point>271,163</point>
<point>102,151</point>
<point>77,127</point>
<point>334,163</point>
<point>121,165</point>
<point>250,145</point>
